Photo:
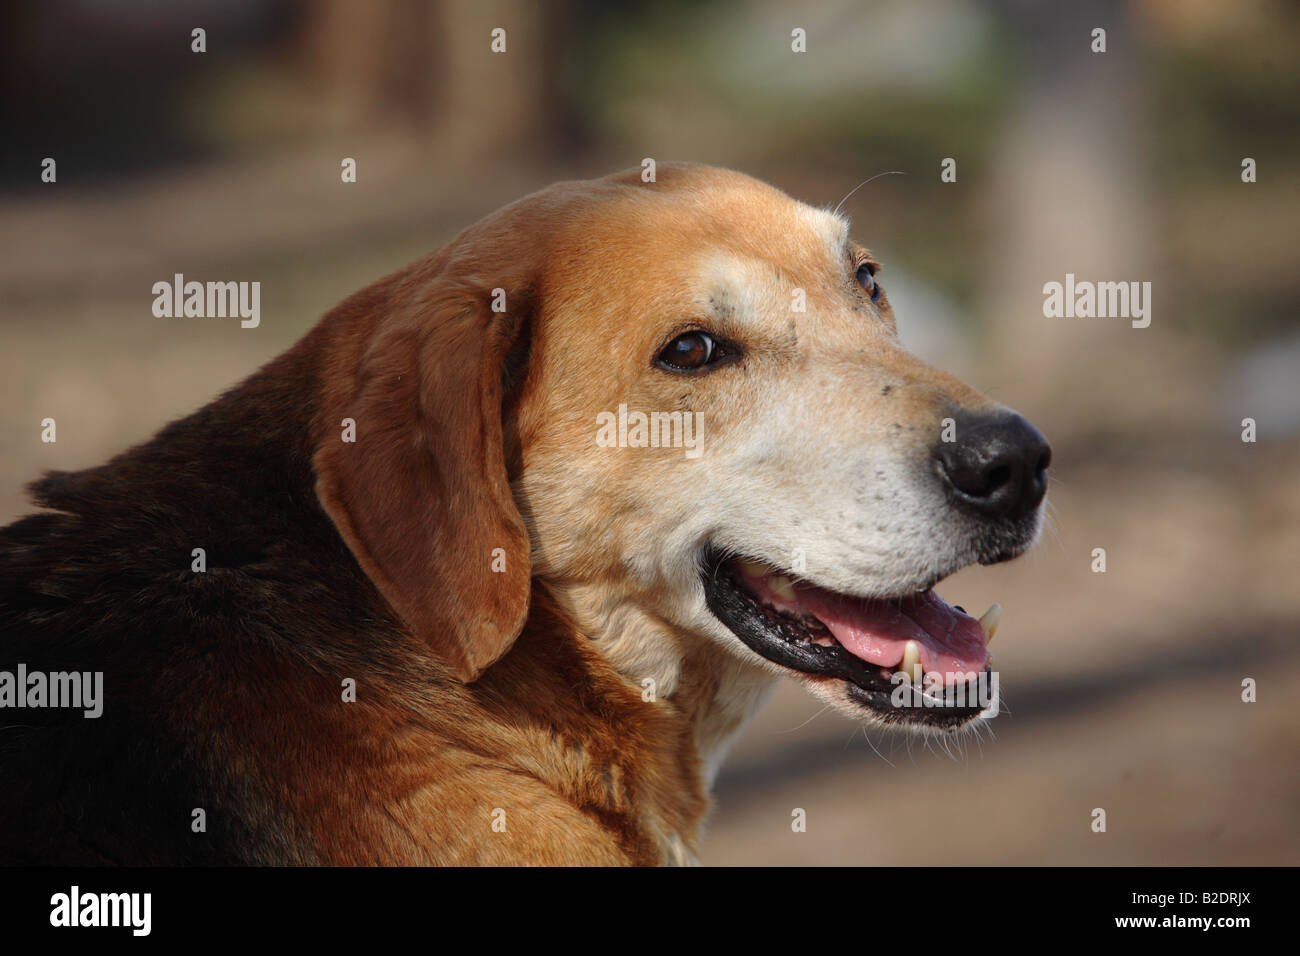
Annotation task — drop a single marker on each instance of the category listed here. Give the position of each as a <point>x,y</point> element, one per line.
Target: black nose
<point>996,466</point>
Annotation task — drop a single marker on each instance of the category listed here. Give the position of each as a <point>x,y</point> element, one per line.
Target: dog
<point>391,601</point>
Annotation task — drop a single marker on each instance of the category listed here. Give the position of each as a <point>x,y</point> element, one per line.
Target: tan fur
<point>581,696</point>
<point>556,731</point>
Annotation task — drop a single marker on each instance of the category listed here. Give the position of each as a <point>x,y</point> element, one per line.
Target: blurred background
<point>1122,689</point>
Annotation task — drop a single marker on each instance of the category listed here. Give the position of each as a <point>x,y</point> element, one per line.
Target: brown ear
<point>421,497</point>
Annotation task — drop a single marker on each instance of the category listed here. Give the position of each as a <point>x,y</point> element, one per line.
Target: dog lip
<point>788,640</point>
<point>878,630</point>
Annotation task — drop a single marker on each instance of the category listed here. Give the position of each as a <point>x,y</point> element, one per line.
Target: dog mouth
<point>874,645</point>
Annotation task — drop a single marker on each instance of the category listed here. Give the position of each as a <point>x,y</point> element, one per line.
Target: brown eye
<point>689,351</point>
<point>867,279</point>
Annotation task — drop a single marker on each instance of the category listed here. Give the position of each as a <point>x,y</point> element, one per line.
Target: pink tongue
<point>877,631</point>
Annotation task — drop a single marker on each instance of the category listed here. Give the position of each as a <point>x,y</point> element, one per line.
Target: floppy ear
<point>421,497</point>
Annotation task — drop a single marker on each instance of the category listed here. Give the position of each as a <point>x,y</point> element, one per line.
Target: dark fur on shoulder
<point>103,582</point>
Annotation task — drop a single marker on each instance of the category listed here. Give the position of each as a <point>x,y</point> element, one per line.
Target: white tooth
<point>989,622</point>
<point>782,586</point>
<point>912,661</point>
<point>751,569</point>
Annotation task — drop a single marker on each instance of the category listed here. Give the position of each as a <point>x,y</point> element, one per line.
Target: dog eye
<point>867,279</point>
<point>689,351</point>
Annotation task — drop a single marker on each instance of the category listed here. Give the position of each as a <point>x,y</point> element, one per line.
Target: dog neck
<point>712,690</point>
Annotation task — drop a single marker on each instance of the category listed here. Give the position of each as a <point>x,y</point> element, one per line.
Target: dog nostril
<point>998,477</point>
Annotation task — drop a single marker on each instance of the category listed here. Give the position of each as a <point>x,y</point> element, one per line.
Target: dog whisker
<point>849,194</point>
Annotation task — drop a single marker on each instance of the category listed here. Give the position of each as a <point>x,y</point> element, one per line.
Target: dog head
<point>682,405</point>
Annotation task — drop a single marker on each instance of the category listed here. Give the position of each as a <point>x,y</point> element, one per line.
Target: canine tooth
<point>912,661</point>
<point>751,569</point>
<point>782,586</point>
<point>989,622</point>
